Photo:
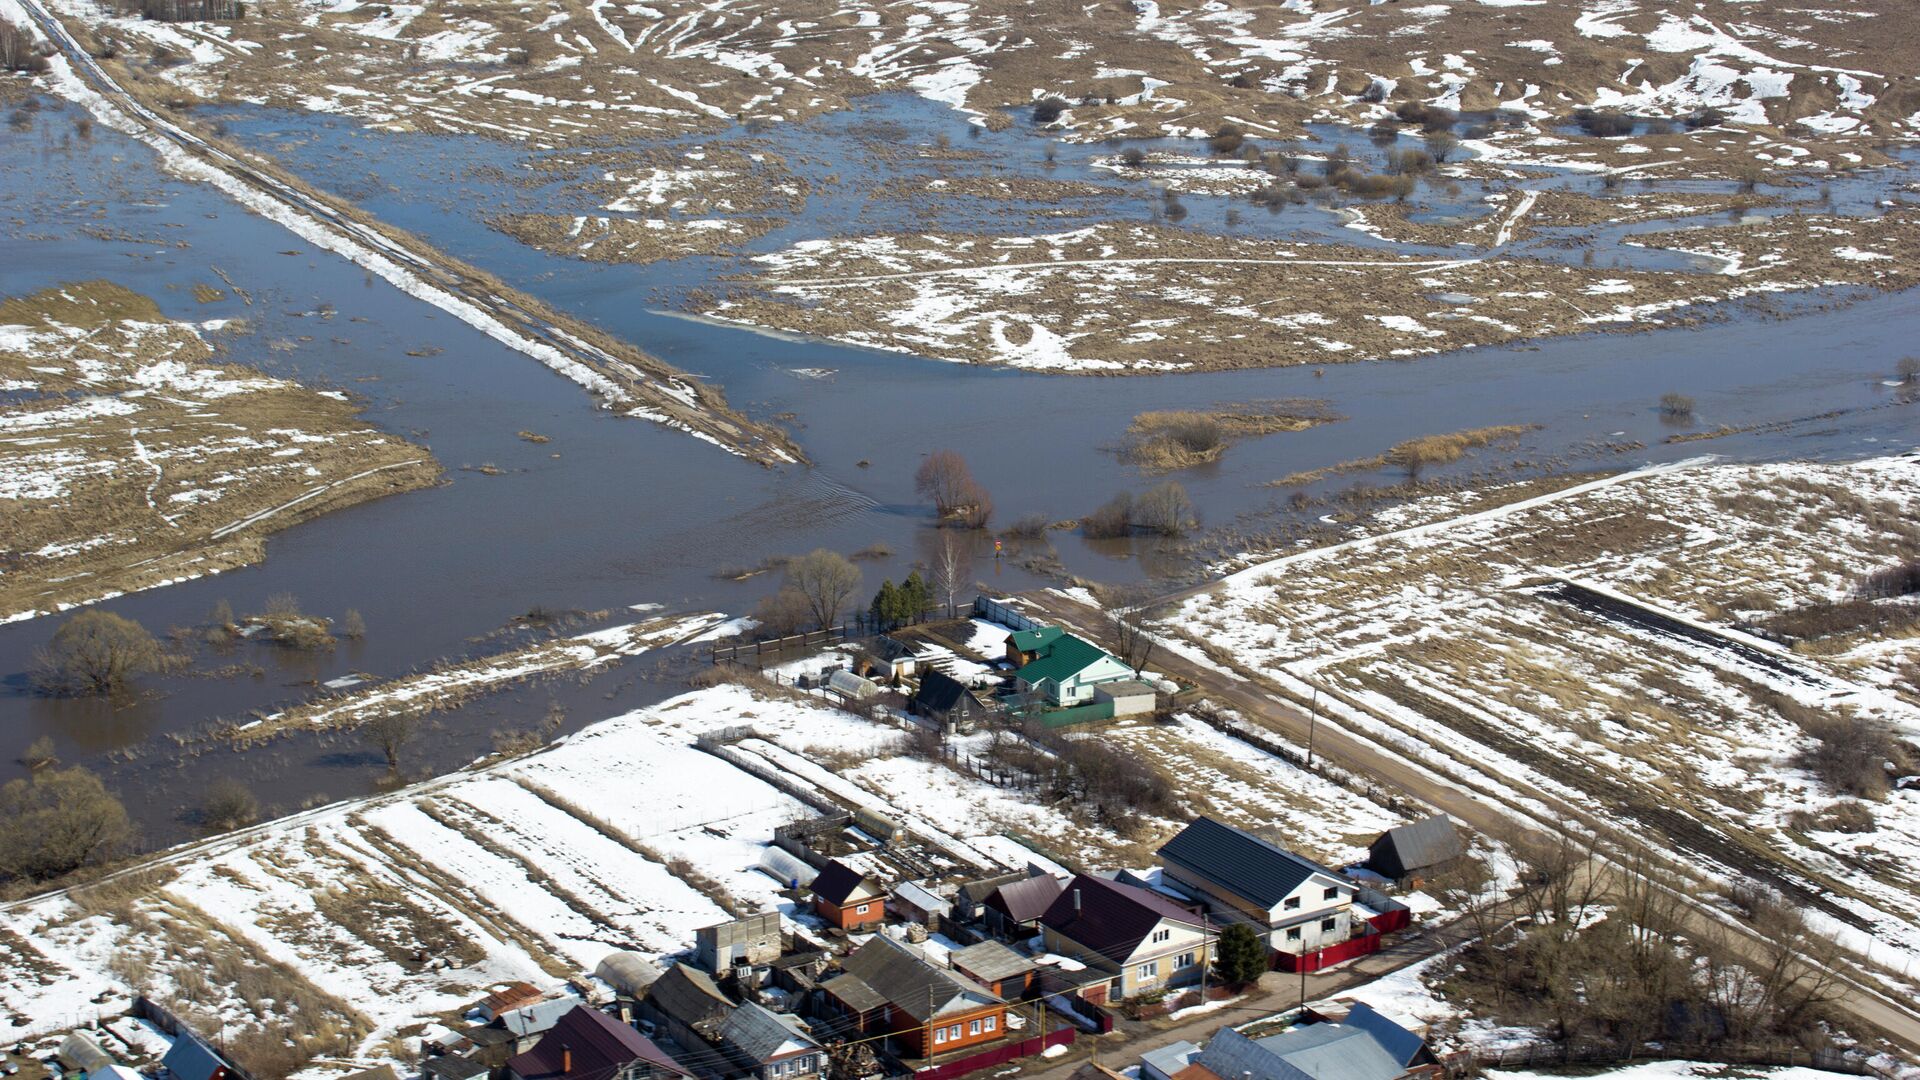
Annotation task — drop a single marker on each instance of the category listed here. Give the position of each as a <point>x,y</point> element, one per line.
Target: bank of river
<point>610,514</point>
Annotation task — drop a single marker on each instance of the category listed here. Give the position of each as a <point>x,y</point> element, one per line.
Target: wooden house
<point>894,989</point>
<point>848,899</point>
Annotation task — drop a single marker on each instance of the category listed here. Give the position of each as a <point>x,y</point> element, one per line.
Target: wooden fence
<point>757,651</point>
<point>1769,1054</point>
<point>145,1008</point>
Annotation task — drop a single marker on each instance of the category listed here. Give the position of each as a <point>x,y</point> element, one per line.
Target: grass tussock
<point>1165,440</point>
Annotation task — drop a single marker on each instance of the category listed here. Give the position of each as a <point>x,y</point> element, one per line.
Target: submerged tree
<point>95,652</point>
<point>57,822</point>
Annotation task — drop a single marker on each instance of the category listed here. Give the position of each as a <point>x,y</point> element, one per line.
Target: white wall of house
<point>1172,954</point>
<point>1297,924</point>
<point>1078,689</point>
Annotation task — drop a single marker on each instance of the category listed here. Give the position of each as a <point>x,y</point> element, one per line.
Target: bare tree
<point>39,754</point>
<point>1908,369</point>
<point>391,732</point>
<point>96,652</point>
<point>228,805</point>
<point>1123,617</point>
<point>352,625</point>
<point>826,580</point>
<point>57,822</point>
<point>944,480</point>
<point>951,568</point>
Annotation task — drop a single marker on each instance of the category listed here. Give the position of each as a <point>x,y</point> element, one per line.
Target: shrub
<point>1409,162</point>
<point>1113,519</point>
<point>1908,369</point>
<point>1028,527</point>
<point>228,805</point>
<point>95,652</point>
<point>39,754</point>
<point>1165,509</point>
<point>1227,138</point>
<point>19,52</point>
<point>1133,157</point>
<point>1849,752</point>
<point>1383,132</point>
<point>1676,406</point>
<point>1901,580</point>
<point>1704,118</point>
<point>352,625</point>
<point>1605,123</point>
<point>1442,144</point>
<point>782,612</point>
<point>1412,112</point>
<point>1049,109</point>
<point>944,480</point>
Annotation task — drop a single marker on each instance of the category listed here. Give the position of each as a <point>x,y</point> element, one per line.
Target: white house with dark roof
<point>1303,907</point>
<point>770,1045</point>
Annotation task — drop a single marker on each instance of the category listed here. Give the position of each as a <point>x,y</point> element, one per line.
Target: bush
<point>1605,123</point>
<point>19,52</point>
<point>1442,144</point>
<point>95,652</point>
<point>1165,509</point>
<point>1412,112</point>
<point>228,805</point>
<point>1705,118</point>
<point>1849,752</point>
<point>1029,527</point>
<point>39,754</point>
<point>1049,109</point>
<point>1133,156</point>
<point>1113,519</point>
<point>1901,580</point>
<point>1908,369</point>
<point>782,612</point>
<point>58,822</point>
<point>1227,138</point>
<point>1409,162</point>
<point>1676,406</point>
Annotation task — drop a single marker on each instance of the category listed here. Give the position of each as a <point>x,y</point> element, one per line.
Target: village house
<point>1299,906</point>
<point>947,702</point>
<point>587,1044</point>
<point>1142,940</point>
<point>190,1059</point>
<point>770,1045</point>
<point>848,899</point>
<point>886,659</point>
<point>1025,646</point>
<point>1364,1046</point>
<point>969,902</point>
<point>1066,670</point>
<point>687,1006</point>
<point>1014,909</point>
<point>1415,849</point>
<point>893,988</point>
<point>914,902</point>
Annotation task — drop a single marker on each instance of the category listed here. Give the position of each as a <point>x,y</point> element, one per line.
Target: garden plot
<point>1137,299</point>
<point>1580,650</point>
<point>130,457</point>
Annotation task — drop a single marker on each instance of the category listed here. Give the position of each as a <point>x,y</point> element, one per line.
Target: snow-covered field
<point>624,836</point>
<point>1458,643</point>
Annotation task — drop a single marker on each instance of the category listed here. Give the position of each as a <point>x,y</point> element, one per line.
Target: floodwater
<point>615,512</point>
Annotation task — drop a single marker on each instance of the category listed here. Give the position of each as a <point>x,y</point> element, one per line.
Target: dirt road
<point>625,378</point>
<point>1490,812</point>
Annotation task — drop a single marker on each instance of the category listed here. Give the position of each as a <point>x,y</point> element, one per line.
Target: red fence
<point>1331,955</point>
<point>1388,921</point>
<point>999,1055</point>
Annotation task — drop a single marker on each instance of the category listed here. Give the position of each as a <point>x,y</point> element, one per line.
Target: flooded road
<point>611,513</point>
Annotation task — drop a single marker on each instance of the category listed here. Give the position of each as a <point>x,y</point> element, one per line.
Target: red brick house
<point>894,989</point>
<point>848,899</point>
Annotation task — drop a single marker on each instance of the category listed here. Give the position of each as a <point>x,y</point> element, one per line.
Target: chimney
<point>566,1060</point>
<point>1076,901</point>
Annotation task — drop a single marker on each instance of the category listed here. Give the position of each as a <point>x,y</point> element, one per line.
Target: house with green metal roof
<point>1065,670</point>
<point>1025,646</point>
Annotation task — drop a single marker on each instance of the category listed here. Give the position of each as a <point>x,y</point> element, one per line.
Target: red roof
<point>509,997</point>
<point>599,1046</point>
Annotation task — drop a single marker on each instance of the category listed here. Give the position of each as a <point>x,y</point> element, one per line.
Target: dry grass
<point>1414,454</point>
<point>1161,441</point>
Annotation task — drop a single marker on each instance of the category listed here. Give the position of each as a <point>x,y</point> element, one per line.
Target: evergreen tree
<point>886,605</point>
<point>1241,956</point>
<point>916,598</point>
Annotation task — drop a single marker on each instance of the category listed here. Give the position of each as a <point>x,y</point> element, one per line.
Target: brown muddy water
<point>613,512</point>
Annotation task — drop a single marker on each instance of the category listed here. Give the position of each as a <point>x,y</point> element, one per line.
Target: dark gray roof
<point>761,1035</point>
<point>191,1059</point>
<point>689,995</point>
<point>941,692</point>
<point>1427,842</point>
<point>990,961</point>
<point>974,892</point>
<point>903,976</point>
<point>1239,861</point>
<point>837,882</point>
<point>453,1067</point>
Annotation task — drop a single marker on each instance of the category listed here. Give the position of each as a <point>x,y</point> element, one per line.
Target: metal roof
<point>837,883</point>
<point>689,995</point>
<point>1027,899</point>
<point>1064,658</point>
<point>1240,862</point>
<point>191,1059</point>
<point>595,1044</point>
<point>904,977</point>
<point>1171,1058</point>
<point>990,961</point>
<point>1109,918</point>
<point>1400,1044</point>
<point>1420,844</point>
<point>918,896</point>
<point>538,1017</point>
<point>761,1035</point>
<point>1345,1051</point>
<point>1029,640</point>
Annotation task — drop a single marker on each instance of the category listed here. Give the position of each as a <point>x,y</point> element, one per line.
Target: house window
<point>956,1033</point>
<point>1293,934</point>
<point>862,909</point>
<point>1148,971</point>
<point>1162,935</point>
<point>1292,904</point>
<point>1331,894</point>
<point>1186,961</point>
<point>939,1036</point>
<point>779,1068</point>
<point>973,1028</point>
<point>1328,924</point>
<point>991,1022</point>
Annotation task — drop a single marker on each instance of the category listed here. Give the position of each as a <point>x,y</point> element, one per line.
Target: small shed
<point>851,686</point>
<point>191,1059</point>
<point>79,1053</point>
<point>995,967</point>
<point>1130,697</point>
<point>1415,848</point>
<point>916,903</point>
<point>504,998</point>
<point>946,701</point>
<point>887,659</point>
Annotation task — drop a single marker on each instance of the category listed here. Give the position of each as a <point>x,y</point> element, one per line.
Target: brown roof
<point>1110,918</point>
<point>1196,1071</point>
<point>598,1045</point>
<point>1025,900</point>
<point>508,997</point>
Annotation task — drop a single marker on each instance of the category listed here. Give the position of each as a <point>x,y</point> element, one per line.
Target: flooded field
<point>604,515</point>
